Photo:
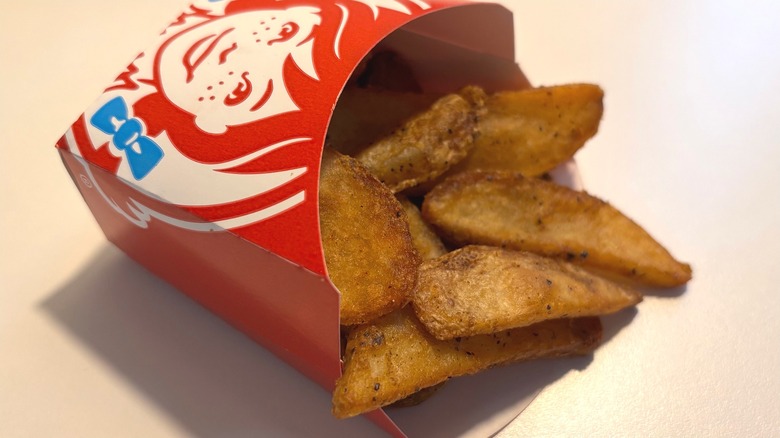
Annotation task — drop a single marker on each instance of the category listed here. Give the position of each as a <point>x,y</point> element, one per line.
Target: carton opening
<point>402,78</point>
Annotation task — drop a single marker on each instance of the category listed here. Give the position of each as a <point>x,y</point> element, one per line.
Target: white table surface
<point>689,147</point>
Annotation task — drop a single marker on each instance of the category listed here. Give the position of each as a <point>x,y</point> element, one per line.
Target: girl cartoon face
<point>228,71</point>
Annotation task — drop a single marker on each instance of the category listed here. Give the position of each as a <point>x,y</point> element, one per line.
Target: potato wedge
<point>425,240</point>
<point>393,357</point>
<point>364,116</point>
<point>508,210</point>
<point>373,279</point>
<point>427,144</point>
<point>482,289</point>
<point>532,131</point>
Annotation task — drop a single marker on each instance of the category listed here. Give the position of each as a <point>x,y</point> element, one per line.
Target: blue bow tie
<point>127,135</point>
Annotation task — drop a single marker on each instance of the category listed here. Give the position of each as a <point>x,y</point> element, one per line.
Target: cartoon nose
<point>241,92</point>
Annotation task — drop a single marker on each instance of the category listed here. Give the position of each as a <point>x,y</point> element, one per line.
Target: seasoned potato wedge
<point>481,289</point>
<point>532,272</point>
<point>425,240</point>
<point>532,131</point>
<point>508,210</point>
<point>365,115</point>
<point>428,144</point>
<point>373,279</point>
<point>394,357</point>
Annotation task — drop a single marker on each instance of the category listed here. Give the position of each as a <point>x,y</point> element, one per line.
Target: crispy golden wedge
<point>532,131</point>
<point>508,210</point>
<point>373,279</point>
<point>364,116</point>
<point>393,357</point>
<point>425,240</point>
<point>482,289</point>
<point>428,144</point>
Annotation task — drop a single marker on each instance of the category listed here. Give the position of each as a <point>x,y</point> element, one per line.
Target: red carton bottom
<point>226,274</point>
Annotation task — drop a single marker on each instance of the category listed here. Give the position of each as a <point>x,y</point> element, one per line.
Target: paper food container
<point>201,160</point>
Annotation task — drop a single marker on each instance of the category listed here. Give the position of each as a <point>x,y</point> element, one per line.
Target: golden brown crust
<point>373,279</point>
<point>482,306</point>
<point>427,144</point>
<point>425,240</point>
<point>505,209</point>
<point>394,357</point>
<point>481,290</point>
<point>532,131</point>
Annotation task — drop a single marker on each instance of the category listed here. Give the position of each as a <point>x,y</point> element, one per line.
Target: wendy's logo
<point>222,118</point>
<point>228,71</point>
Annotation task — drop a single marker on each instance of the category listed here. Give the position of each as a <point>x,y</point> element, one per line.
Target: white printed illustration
<point>229,71</point>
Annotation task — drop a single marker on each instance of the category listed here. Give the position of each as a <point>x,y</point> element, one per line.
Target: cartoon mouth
<point>199,51</point>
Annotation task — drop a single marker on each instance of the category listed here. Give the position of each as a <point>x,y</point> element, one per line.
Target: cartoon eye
<point>224,54</point>
<point>198,52</point>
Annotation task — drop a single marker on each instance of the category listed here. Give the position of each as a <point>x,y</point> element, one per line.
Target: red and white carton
<point>201,160</point>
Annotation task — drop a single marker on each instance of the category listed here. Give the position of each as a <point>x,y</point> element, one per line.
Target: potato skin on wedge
<point>508,210</point>
<point>394,356</point>
<point>357,212</point>
<point>534,130</point>
<point>428,144</point>
<point>482,289</point>
<point>428,244</point>
<point>531,131</point>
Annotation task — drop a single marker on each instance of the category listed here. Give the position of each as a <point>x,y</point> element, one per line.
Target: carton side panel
<point>282,306</point>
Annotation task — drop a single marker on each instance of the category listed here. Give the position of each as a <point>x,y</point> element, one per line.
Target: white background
<point>93,346</point>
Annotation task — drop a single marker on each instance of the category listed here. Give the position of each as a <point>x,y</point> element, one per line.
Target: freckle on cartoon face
<point>228,71</point>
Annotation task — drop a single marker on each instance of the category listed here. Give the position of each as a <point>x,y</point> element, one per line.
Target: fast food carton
<point>201,160</point>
